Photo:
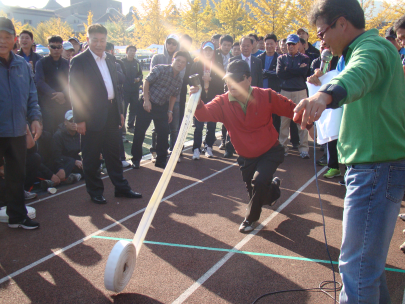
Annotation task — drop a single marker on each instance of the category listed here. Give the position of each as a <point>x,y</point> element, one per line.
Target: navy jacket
<point>34,57</point>
<point>293,77</point>
<point>88,93</point>
<point>255,70</point>
<point>18,98</point>
<point>271,74</point>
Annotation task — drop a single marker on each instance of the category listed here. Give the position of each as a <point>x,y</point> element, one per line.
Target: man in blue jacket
<point>18,102</point>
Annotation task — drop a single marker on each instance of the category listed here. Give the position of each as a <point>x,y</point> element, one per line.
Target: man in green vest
<point>371,143</point>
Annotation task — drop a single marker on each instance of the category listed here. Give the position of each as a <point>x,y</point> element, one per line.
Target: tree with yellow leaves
<point>83,36</point>
<point>117,33</point>
<point>232,17</point>
<point>154,27</point>
<point>196,22</point>
<point>299,13</point>
<point>19,27</point>
<point>54,26</point>
<point>389,13</point>
<point>271,16</point>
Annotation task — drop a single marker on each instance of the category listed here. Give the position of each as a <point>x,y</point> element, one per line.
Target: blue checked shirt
<point>163,84</point>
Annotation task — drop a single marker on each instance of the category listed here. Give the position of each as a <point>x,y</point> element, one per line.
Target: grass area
<point>148,138</point>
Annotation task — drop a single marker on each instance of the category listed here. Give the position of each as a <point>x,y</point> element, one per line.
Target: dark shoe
<point>125,139</point>
<point>342,183</point>
<point>222,146</point>
<point>129,194</point>
<point>26,223</point>
<point>276,181</point>
<point>323,161</point>
<point>160,165</point>
<point>228,154</point>
<point>246,226</point>
<point>295,147</point>
<point>45,184</point>
<point>135,164</point>
<point>131,130</point>
<point>99,199</point>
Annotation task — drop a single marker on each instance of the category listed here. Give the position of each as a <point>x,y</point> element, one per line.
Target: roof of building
<point>52,5</point>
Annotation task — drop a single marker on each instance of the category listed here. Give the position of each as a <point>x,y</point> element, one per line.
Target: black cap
<point>74,38</point>
<point>390,33</point>
<point>7,25</point>
<point>236,69</point>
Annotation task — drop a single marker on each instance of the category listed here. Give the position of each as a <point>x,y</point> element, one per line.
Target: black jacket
<point>187,73</point>
<point>64,146</point>
<point>88,93</point>
<point>133,69</point>
<point>216,85</point>
<point>312,49</point>
<point>34,57</point>
<point>316,64</point>
<point>51,76</point>
<point>293,77</point>
<point>256,70</point>
<point>271,74</point>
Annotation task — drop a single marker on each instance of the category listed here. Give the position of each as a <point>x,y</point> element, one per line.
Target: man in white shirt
<point>97,110</point>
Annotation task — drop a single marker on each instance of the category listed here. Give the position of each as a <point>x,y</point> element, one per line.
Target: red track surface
<point>207,214</point>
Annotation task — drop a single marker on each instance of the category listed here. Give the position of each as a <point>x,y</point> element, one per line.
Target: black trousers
<point>295,139</point>
<point>131,99</point>
<point>14,150</point>
<point>105,141</point>
<point>257,173</point>
<point>224,131</point>
<point>209,137</point>
<point>53,116</point>
<point>159,116</point>
<point>332,155</point>
<point>32,166</point>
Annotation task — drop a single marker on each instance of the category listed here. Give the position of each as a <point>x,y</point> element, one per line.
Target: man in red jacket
<point>246,113</point>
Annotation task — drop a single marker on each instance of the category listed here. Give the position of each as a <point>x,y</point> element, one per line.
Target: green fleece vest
<point>373,121</point>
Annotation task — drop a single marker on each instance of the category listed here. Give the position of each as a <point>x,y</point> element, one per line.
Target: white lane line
<point>58,252</point>
<point>221,262</point>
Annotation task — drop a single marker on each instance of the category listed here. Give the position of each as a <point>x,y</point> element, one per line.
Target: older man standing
<point>371,143</point>
<point>18,101</point>
<point>97,110</point>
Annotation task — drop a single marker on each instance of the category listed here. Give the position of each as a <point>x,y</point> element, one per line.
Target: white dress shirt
<point>105,73</point>
<point>225,60</point>
<point>248,60</point>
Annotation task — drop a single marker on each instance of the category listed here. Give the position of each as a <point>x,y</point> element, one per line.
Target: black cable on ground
<point>322,285</point>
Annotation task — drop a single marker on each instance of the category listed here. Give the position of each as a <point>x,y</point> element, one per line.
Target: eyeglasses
<point>290,43</point>
<point>322,33</point>
<point>55,47</point>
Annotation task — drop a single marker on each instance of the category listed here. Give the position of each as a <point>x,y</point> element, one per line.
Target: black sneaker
<point>131,130</point>
<point>26,223</point>
<point>45,184</point>
<point>222,146</point>
<point>135,164</point>
<point>246,226</point>
<point>323,161</point>
<point>342,183</point>
<point>160,165</point>
<point>277,181</point>
<point>228,154</point>
<point>295,146</point>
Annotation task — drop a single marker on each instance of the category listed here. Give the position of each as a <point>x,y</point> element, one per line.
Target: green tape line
<point>236,251</point>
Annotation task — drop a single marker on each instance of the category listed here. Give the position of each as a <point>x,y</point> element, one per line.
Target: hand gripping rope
<point>122,259</point>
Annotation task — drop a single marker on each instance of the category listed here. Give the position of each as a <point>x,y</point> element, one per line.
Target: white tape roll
<point>4,217</point>
<point>120,266</point>
<point>115,278</point>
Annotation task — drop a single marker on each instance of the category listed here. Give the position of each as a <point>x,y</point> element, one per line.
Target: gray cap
<point>7,25</point>
<point>68,46</point>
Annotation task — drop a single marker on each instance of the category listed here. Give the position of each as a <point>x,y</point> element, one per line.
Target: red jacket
<point>252,134</point>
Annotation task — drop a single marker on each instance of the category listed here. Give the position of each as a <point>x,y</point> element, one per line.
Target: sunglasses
<point>172,43</point>
<point>71,120</point>
<point>322,33</point>
<point>55,47</point>
<point>290,43</point>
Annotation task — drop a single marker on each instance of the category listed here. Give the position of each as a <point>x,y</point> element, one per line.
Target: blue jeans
<point>373,199</point>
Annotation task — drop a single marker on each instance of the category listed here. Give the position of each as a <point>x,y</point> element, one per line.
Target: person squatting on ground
<point>98,113</point>
<point>210,72</point>
<point>19,100</point>
<point>247,114</point>
<point>161,88</point>
<point>371,143</point>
